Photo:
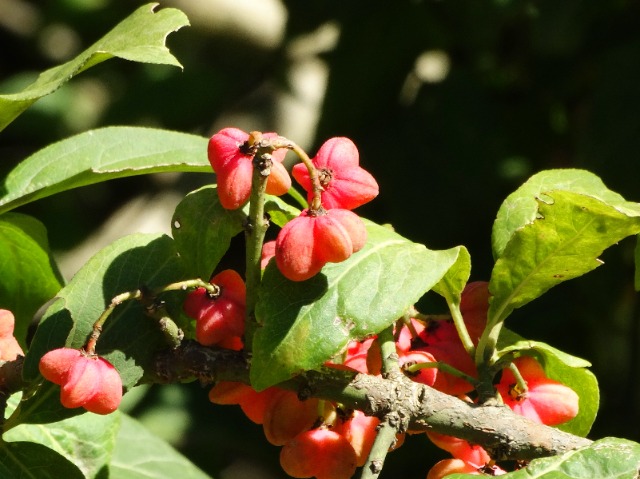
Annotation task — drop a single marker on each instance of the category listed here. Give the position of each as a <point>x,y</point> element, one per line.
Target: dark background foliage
<point>452,105</point>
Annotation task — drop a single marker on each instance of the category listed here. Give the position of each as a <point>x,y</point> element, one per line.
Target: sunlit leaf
<point>520,208</point>
<point>140,37</point>
<point>565,242</point>
<point>453,282</point>
<point>101,155</point>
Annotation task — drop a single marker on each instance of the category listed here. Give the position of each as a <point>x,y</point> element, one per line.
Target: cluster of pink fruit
<point>319,438</point>
<point>323,233</point>
<point>306,429</point>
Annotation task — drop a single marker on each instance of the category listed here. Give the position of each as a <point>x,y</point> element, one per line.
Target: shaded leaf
<point>280,212</point>
<point>140,454</point>
<point>43,407</point>
<point>30,277</point>
<point>306,323</point>
<point>101,155</point>
<point>564,243</point>
<point>202,230</point>
<point>564,368</point>
<point>520,208</point>
<point>86,440</point>
<point>140,37</point>
<point>34,461</point>
<point>129,338</point>
<point>608,458</point>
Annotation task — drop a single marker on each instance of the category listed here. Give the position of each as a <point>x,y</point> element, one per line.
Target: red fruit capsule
<point>55,364</point>
<point>319,453</point>
<point>90,382</point>
<point>345,184</point>
<point>546,401</point>
<point>286,416</point>
<point>425,375</point>
<point>308,242</point>
<point>447,467</point>
<point>222,318</point>
<point>9,347</point>
<point>361,432</point>
<point>232,160</point>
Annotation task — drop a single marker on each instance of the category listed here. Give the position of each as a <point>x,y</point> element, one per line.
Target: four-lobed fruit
<point>545,401</point>
<point>308,242</point>
<point>86,381</point>
<point>231,157</point>
<point>344,182</point>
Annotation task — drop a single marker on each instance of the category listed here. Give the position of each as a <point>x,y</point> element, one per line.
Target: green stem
<point>146,296</point>
<point>444,367</point>
<point>388,352</point>
<point>521,384</point>
<point>90,346</point>
<point>254,237</point>
<point>486,352</point>
<point>432,317</point>
<point>316,203</point>
<point>212,289</point>
<point>458,322</point>
<point>385,439</point>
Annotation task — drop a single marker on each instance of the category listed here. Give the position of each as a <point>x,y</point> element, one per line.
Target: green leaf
<point>129,338</point>
<point>280,212</point>
<point>30,277</point>
<point>34,461</point>
<point>564,243</point>
<point>453,282</point>
<point>140,37</point>
<point>140,454</point>
<point>101,155</point>
<point>202,230</point>
<point>564,368</point>
<point>608,458</point>
<point>87,440</point>
<point>306,323</point>
<point>520,208</point>
<point>43,407</point>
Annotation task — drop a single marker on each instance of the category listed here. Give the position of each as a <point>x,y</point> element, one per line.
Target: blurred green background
<point>453,104</point>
